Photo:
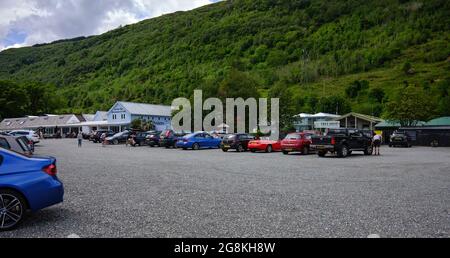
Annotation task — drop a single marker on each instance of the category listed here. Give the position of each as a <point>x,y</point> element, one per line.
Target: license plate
<point>226,146</point>
<point>288,149</point>
<point>320,147</point>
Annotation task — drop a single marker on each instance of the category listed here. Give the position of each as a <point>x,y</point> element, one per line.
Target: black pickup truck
<point>342,141</point>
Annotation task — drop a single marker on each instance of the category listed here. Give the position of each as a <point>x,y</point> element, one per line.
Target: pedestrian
<point>103,139</point>
<point>376,142</point>
<point>80,139</point>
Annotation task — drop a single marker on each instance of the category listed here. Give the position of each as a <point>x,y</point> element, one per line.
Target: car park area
<point>118,191</point>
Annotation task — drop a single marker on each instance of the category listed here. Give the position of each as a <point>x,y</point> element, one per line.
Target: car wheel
<point>285,152</point>
<point>240,148</point>
<point>12,209</point>
<point>252,150</point>
<point>224,150</point>
<point>305,150</point>
<point>343,151</point>
<point>390,145</point>
<point>368,150</point>
<point>115,142</point>
<point>195,146</point>
<point>269,149</point>
<point>434,143</point>
<point>321,153</point>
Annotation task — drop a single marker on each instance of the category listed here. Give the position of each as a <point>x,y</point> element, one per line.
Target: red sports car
<point>296,142</point>
<point>264,145</point>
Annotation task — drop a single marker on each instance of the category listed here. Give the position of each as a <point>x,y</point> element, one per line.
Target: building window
<point>122,116</point>
<point>114,116</point>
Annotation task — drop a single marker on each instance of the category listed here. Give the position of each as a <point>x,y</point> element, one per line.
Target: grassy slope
<point>159,59</point>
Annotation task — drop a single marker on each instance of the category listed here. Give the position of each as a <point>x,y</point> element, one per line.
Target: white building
<point>304,121</point>
<point>117,119</point>
<point>121,115</point>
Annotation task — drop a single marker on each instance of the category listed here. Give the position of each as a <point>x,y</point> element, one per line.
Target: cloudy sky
<point>28,22</point>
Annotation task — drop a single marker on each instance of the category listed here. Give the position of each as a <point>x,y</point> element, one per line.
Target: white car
<point>31,135</point>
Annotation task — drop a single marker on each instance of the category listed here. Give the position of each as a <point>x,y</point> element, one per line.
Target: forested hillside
<point>317,55</point>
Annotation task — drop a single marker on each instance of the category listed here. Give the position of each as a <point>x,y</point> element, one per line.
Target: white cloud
<point>48,20</point>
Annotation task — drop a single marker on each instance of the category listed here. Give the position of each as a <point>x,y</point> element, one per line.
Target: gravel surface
<point>120,191</point>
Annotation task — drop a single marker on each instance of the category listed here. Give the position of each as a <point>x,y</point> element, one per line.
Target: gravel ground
<point>119,191</point>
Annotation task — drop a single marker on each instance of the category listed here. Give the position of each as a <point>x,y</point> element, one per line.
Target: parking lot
<point>120,191</point>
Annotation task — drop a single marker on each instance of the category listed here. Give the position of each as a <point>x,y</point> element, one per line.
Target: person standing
<point>103,139</point>
<point>376,141</point>
<point>80,139</point>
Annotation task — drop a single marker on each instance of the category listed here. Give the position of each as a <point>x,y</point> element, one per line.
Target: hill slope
<point>305,49</point>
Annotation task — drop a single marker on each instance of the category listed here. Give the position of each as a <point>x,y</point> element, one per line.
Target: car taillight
<point>50,170</point>
<point>333,141</point>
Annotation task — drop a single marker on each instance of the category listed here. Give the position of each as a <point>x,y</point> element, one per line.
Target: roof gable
<point>361,116</point>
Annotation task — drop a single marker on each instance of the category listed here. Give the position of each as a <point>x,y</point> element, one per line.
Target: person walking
<point>376,141</point>
<point>103,139</point>
<point>80,139</point>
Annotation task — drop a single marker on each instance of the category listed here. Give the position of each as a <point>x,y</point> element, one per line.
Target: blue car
<point>198,141</point>
<point>26,184</point>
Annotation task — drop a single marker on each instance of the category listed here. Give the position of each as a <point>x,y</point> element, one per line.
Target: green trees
<point>238,84</point>
<point>334,104</point>
<point>354,88</point>
<point>142,125</point>
<point>410,105</point>
<point>13,100</point>
<point>27,99</point>
<point>291,44</point>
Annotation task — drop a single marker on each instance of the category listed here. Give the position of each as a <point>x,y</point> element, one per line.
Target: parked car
<point>31,135</point>
<point>118,137</point>
<point>141,137</point>
<point>169,138</point>
<point>296,142</point>
<point>26,184</point>
<point>343,142</point>
<point>152,139</point>
<point>198,140</point>
<point>266,145</point>
<point>96,137</point>
<point>238,142</point>
<point>19,144</point>
<point>400,139</point>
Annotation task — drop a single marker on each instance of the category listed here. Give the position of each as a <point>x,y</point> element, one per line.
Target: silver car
<point>19,144</point>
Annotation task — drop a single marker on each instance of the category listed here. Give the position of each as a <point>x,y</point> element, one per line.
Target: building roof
<point>101,116</point>
<point>88,117</point>
<point>441,121</point>
<point>146,109</point>
<point>36,122</point>
<point>321,114</point>
<point>426,128</point>
<point>394,124</point>
<point>362,116</point>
